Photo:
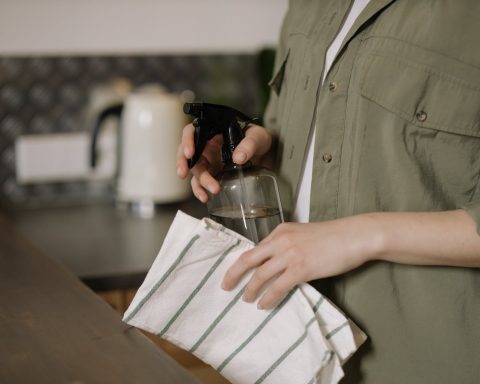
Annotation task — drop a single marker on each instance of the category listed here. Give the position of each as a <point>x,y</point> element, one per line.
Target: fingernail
<point>212,189</point>
<point>179,171</point>
<point>260,306</point>
<point>247,298</point>
<point>240,157</point>
<point>186,152</point>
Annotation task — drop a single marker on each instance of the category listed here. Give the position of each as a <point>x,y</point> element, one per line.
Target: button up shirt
<point>397,129</point>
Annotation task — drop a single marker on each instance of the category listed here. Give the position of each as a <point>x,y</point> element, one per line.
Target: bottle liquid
<point>249,200</point>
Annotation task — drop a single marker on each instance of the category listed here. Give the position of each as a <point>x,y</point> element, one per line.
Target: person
<point>380,140</point>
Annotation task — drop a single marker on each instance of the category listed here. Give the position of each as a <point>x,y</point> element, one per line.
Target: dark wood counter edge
<point>54,329</point>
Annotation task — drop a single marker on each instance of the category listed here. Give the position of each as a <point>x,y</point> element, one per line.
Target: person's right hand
<point>256,143</point>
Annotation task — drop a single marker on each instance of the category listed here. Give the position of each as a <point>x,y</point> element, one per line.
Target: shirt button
<point>327,157</point>
<point>421,116</point>
<point>332,87</point>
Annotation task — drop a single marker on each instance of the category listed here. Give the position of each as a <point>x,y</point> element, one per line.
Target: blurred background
<point>61,61</point>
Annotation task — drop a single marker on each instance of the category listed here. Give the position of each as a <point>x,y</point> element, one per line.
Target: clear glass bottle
<point>248,202</point>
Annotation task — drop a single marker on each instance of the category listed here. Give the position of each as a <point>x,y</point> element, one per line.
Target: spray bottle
<point>249,200</point>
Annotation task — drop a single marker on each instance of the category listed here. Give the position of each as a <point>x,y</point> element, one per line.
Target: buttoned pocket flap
<point>277,80</point>
<point>423,95</point>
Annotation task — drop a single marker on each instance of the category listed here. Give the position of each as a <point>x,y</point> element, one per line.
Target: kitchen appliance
<point>150,132</point>
<point>249,199</point>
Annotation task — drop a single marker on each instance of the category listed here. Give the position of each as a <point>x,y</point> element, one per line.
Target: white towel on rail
<point>305,339</point>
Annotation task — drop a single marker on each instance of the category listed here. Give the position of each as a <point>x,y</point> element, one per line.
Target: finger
<point>185,151</point>
<point>188,144</point>
<point>247,260</point>
<point>182,165</point>
<point>277,291</point>
<point>201,171</point>
<point>264,273</point>
<point>198,191</point>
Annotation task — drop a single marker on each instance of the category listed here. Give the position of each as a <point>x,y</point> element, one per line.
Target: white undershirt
<point>301,213</point>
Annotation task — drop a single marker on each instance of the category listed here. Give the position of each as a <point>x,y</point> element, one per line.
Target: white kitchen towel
<point>305,339</point>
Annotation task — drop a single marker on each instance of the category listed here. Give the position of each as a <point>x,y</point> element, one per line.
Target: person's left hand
<point>295,253</point>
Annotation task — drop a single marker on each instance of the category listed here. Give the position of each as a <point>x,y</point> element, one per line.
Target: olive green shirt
<point>397,129</point>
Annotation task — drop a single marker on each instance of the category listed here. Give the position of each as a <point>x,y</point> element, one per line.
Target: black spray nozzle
<point>194,109</point>
<point>213,119</point>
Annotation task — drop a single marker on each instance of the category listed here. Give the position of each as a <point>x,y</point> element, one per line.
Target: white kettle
<point>150,132</point>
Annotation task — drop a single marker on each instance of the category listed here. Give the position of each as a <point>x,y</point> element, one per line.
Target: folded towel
<point>305,339</point>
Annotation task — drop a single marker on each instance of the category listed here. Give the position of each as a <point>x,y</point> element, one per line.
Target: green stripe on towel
<point>287,352</point>
<point>256,331</point>
<point>218,261</point>
<point>317,304</point>
<point>162,279</point>
<point>218,319</point>
<point>327,357</point>
<point>292,347</point>
<point>336,330</point>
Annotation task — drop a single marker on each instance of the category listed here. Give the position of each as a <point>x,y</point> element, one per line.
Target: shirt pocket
<point>277,80</point>
<point>423,95</point>
<point>273,112</point>
<point>421,144</point>
<point>284,81</point>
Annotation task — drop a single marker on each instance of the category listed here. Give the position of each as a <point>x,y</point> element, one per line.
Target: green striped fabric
<point>292,347</point>
<point>256,331</point>
<point>198,288</point>
<point>181,300</point>
<point>162,279</point>
<point>336,330</point>
<point>219,318</point>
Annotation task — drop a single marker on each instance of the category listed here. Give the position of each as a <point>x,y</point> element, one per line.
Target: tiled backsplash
<point>50,94</point>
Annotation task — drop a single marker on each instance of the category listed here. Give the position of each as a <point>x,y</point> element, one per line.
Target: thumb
<point>257,142</point>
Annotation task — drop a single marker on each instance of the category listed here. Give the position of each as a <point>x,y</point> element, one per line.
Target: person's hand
<point>256,143</point>
<point>295,253</point>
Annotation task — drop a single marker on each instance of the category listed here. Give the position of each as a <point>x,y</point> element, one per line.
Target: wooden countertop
<point>106,247</point>
<point>53,329</point>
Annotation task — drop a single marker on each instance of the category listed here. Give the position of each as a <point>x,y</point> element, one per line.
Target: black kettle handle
<point>113,110</point>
